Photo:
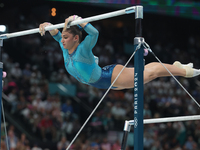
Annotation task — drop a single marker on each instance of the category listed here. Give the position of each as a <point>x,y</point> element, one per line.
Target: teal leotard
<point>82,64</point>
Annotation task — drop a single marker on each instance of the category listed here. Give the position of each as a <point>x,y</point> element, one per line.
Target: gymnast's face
<point>69,40</point>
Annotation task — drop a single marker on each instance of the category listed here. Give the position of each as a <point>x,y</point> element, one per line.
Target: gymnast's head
<point>71,36</point>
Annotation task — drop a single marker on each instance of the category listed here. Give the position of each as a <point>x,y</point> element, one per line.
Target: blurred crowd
<point>32,62</point>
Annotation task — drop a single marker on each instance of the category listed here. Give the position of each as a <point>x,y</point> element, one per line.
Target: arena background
<point>44,103</point>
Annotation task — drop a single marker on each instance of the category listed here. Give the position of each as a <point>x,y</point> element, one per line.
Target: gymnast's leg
<point>155,70</point>
<point>151,72</point>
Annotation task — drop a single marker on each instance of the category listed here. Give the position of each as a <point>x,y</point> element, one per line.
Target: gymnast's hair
<point>75,30</point>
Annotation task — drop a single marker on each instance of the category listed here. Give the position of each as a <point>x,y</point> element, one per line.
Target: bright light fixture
<point>2,28</point>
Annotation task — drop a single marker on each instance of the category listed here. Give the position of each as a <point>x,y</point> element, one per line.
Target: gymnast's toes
<point>189,71</point>
<point>190,65</point>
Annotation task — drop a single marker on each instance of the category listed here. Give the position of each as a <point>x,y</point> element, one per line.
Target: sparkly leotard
<point>81,63</point>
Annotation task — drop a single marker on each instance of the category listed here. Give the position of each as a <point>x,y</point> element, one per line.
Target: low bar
<point>61,25</point>
<point>169,119</point>
<point>157,120</point>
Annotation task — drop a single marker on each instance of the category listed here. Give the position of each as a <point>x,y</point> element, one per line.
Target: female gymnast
<point>81,63</point>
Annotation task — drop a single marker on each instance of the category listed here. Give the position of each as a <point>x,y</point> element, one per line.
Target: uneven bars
<point>169,119</point>
<point>61,25</point>
<point>127,125</point>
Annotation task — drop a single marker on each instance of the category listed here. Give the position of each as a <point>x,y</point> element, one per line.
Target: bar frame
<point>129,10</point>
<point>138,80</point>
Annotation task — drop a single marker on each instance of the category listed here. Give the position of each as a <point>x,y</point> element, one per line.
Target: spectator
<point>94,146</point>
<point>129,95</point>
<point>118,112</point>
<point>48,104</point>
<point>13,100</point>
<point>24,141</point>
<point>108,122</point>
<point>63,143</point>
<point>116,145</point>
<point>27,71</point>
<point>105,145</point>
<point>36,147</point>
<point>37,72</point>
<point>62,77</point>
<point>35,89</point>
<point>56,102</point>
<point>97,122</point>
<point>37,103</point>
<point>12,140</point>
<point>148,141</point>
<point>33,79</point>
<point>190,143</point>
<point>67,126</point>
<point>20,146</point>
<point>22,104</point>
<point>67,107</point>
<point>16,71</point>
<point>53,77</point>
<point>147,111</point>
<point>3,134</point>
<point>109,47</point>
<point>156,146</point>
<point>57,121</point>
<point>3,145</point>
<point>46,125</point>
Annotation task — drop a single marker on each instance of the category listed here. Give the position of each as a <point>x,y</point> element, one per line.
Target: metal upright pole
<point>127,128</point>
<point>1,75</point>
<point>138,81</point>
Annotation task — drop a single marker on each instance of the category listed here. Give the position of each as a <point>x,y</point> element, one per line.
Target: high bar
<point>169,119</point>
<point>61,25</point>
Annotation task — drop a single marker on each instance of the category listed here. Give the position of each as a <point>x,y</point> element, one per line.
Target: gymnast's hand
<point>70,19</point>
<point>42,29</point>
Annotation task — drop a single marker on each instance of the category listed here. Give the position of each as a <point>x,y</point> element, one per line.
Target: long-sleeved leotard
<point>81,63</point>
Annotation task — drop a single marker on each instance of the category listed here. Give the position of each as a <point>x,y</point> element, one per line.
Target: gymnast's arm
<point>53,32</point>
<point>92,37</point>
